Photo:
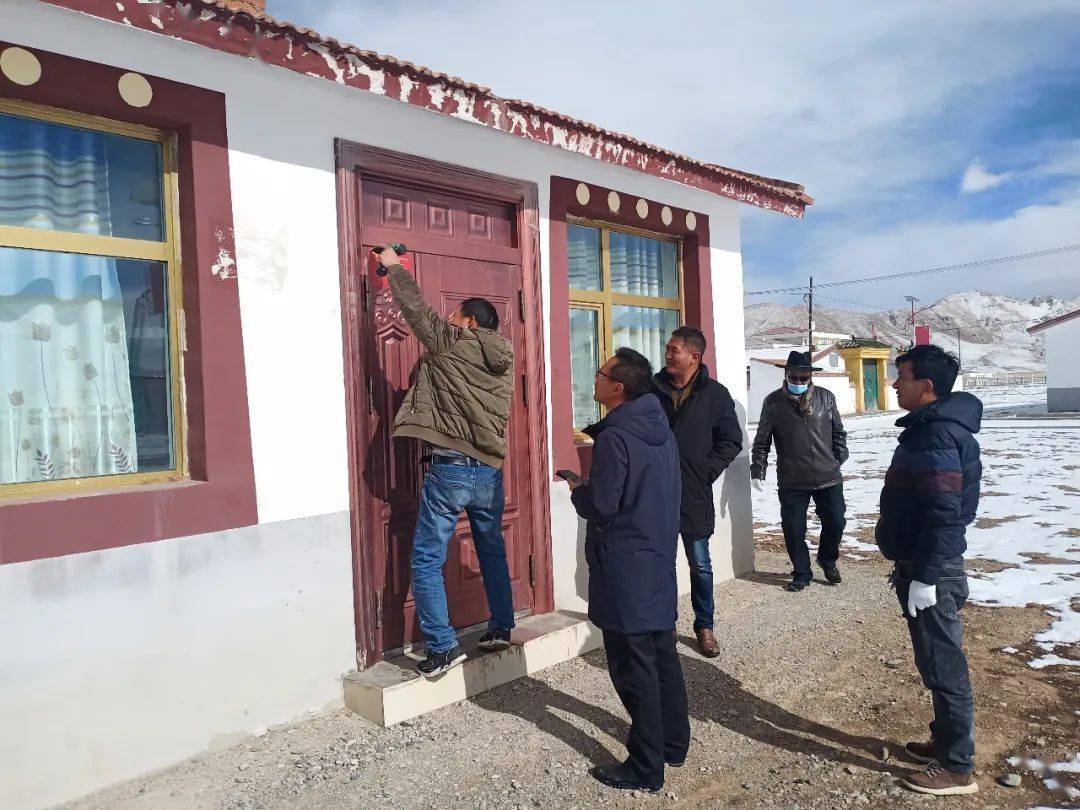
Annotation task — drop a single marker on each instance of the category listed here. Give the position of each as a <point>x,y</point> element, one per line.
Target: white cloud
<point>978,178</point>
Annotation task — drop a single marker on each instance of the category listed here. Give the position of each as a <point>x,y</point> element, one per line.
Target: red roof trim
<point>1068,316</point>
<point>214,25</point>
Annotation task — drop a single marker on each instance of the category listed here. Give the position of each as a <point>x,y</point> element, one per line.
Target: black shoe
<point>497,639</point>
<point>621,777</point>
<point>832,574</point>
<point>675,763</point>
<point>797,584</point>
<point>436,663</point>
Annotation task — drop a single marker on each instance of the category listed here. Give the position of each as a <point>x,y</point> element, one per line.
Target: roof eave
<point>211,24</point>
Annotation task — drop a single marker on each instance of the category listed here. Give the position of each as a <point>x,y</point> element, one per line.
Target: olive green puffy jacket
<point>464,385</point>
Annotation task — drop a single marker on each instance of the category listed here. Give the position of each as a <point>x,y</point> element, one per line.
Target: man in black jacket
<point>630,503</point>
<point>811,444</point>
<point>931,494</point>
<point>701,413</point>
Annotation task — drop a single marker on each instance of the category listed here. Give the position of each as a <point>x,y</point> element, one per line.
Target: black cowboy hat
<point>800,361</point>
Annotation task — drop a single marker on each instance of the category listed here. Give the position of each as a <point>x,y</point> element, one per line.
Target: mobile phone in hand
<point>568,475</point>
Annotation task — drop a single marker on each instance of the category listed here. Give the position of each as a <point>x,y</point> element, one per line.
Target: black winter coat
<point>631,508</point>
<point>931,490</point>
<point>809,450</point>
<point>709,437</point>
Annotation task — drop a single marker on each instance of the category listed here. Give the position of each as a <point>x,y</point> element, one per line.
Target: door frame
<point>354,160</point>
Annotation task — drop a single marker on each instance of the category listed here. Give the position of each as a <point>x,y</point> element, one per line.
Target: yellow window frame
<point>166,251</point>
<point>604,299</point>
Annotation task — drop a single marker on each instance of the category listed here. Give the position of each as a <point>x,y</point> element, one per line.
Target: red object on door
<point>922,335</point>
<point>459,247</point>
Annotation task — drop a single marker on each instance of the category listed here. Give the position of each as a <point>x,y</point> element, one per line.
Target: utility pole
<point>959,359</point>
<point>912,299</point>
<point>810,324</point>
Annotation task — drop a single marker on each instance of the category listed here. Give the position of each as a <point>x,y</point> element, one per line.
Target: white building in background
<point>765,373</point>
<point>204,528</point>
<point>1061,337</point>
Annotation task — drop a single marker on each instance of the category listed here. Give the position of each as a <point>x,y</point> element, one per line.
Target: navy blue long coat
<point>631,508</point>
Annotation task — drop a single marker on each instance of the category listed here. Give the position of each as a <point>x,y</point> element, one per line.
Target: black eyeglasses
<point>602,373</point>
<point>799,378</point>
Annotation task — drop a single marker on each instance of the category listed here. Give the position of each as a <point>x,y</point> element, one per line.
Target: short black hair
<point>930,362</point>
<point>487,317</point>
<point>634,371</point>
<point>694,338</point>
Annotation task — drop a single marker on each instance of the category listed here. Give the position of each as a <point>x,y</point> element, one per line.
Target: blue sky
<point>930,134</point>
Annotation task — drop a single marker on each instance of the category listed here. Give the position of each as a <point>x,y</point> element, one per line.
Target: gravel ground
<point>797,712</point>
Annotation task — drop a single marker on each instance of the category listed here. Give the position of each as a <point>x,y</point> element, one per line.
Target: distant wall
<point>1063,367</point>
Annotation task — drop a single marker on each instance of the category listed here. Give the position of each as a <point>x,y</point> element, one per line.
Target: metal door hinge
<point>370,395</point>
<point>532,572</point>
<point>525,390</point>
<point>366,293</point>
<point>521,305</point>
<point>378,609</point>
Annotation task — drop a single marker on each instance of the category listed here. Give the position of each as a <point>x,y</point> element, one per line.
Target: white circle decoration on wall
<point>642,209</point>
<point>613,202</point>
<point>583,194</point>
<point>691,221</point>
<point>666,216</point>
<point>135,90</point>
<point>20,66</point>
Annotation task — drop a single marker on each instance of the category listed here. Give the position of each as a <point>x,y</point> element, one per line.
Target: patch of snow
<point>1010,650</point>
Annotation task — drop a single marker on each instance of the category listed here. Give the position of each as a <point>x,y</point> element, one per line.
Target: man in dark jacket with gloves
<point>630,503</point>
<point>931,494</point>
<point>702,416</point>
<point>811,444</point>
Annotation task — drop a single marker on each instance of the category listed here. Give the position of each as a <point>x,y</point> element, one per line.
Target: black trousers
<point>648,677</point>
<point>830,506</point>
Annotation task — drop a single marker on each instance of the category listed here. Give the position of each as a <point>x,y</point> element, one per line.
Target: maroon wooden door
<point>459,247</point>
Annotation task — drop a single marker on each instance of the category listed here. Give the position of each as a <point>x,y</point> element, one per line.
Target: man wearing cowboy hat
<point>811,444</point>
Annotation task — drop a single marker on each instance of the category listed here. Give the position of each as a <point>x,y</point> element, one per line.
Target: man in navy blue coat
<point>930,496</point>
<point>630,503</point>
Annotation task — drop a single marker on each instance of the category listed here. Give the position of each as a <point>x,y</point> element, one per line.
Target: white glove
<point>757,484</point>
<point>920,597</point>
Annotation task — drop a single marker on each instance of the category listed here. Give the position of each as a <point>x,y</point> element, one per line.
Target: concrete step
<point>392,690</point>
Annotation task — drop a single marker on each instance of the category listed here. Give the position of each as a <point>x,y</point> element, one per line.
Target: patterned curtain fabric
<point>644,329</point>
<point>642,266</point>
<point>65,388</point>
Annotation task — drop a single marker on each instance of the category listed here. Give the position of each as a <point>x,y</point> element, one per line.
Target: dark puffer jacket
<point>631,508</point>
<point>809,449</point>
<point>709,438</point>
<point>931,490</point>
<point>465,383</point>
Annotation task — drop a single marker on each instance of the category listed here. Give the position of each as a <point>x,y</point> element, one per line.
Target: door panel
<point>483,235</point>
<point>870,385</point>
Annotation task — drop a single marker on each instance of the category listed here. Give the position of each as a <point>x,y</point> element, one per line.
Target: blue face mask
<point>798,389</point>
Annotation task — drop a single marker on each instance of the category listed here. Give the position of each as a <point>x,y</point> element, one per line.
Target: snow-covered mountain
<point>993,327</point>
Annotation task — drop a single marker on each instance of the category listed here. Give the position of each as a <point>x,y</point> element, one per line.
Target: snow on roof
<point>257,35</point>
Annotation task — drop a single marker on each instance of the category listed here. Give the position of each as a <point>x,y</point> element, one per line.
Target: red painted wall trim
<point>304,51</point>
<point>221,492</point>
<point>697,293</point>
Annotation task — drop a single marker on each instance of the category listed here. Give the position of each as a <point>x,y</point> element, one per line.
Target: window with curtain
<point>625,290</point>
<point>89,307</point>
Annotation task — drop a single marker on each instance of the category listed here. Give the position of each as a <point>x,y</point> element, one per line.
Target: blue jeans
<point>701,581</point>
<point>937,638</point>
<point>448,489</point>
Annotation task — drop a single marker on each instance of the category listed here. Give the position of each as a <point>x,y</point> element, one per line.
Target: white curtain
<point>65,389</point>
<point>644,329</point>
<point>641,266</point>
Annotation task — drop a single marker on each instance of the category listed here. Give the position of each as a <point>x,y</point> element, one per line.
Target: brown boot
<point>924,752</point>
<point>706,643</point>
<point>937,781</point>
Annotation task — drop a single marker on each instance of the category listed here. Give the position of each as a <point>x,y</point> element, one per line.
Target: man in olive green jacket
<point>459,404</point>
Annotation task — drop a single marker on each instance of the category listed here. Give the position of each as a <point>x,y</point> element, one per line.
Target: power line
<point>853,303</point>
<point>976,265</point>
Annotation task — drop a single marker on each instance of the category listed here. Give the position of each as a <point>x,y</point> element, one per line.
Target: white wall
<point>1063,366</point>
<point>117,662</point>
<point>1062,360</point>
